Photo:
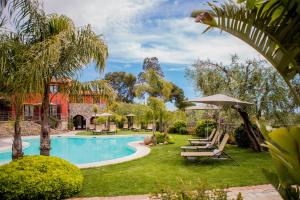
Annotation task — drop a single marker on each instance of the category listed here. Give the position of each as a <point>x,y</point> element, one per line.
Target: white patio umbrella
<point>130,115</point>
<point>203,107</point>
<point>104,115</point>
<point>221,100</point>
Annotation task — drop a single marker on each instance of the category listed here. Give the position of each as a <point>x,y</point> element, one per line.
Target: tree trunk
<point>45,126</point>
<point>161,128</point>
<point>255,137</point>
<point>17,150</point>
<point>154,141</point>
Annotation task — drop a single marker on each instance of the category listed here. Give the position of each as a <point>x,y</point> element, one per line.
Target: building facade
<point>63,109</point>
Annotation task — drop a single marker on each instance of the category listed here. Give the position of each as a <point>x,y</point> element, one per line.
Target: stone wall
<point>27,128</point>
<point>85,110</point>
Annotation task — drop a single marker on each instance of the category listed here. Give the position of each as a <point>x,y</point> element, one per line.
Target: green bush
<point>70,123</point>
<point>205,126</point>
<point>202,190</point>
<point>100,120</point>
<point>241,137</point>
<point>39,177</point>
<point>179,126</point>
<point>162,138</point>
<point>170,140</point>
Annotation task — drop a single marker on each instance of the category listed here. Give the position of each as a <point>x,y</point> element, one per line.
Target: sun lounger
<point>125,126</point>
<point>204,143</point>
<point>136,127</point>
<point>217,153</point>
<point>112,129</point>
<point>205,139</point>
<point>99,129</point>
<point>149,127</point>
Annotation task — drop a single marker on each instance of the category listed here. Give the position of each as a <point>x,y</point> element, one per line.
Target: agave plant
<point>284,147</point>
<point>272,27</point>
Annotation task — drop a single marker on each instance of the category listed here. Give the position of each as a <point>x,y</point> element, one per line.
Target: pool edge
<point>141,150</point>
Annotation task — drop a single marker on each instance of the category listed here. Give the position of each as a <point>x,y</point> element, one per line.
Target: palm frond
<point>97,88</point>
<point>276,38</point>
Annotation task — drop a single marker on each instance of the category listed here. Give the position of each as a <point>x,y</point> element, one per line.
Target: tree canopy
<point>123,83</point>
<point>250,80</point>
<point>271,27</point>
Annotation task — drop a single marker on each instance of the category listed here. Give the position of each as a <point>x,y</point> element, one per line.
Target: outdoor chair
<point>99,129</point>
<point>209,138</point>
<point>218,153</point>
<point>149,127</point>
<point>125,126</point>
<point>136,127</point>
<point>112,129</point>
<point>203,143</point>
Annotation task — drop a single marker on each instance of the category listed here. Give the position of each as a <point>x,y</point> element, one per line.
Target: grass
<point>164,168</point>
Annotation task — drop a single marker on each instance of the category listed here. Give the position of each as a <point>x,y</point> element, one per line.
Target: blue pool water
<point>81,150</point>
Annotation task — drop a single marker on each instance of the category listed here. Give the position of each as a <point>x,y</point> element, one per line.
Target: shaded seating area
<point>208,139</point>
<point>136,127</point>
<point>199,145</point>
<point>149,127</point>
<point>215,153</point>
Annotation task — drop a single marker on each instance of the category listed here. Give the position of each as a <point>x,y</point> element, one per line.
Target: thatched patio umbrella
<point>224,100</point>
<point>130,116</point>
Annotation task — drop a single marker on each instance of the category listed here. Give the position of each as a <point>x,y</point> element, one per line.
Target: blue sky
<point>135,29</point>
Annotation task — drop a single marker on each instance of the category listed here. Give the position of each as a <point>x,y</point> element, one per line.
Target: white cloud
<point>178,41</point>
<point>103,15</point>
<point>131,36</point>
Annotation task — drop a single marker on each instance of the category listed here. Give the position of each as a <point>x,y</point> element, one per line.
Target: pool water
<point>81,150</point>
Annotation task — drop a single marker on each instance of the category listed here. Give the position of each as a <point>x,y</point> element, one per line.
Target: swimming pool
<point>81,150</point>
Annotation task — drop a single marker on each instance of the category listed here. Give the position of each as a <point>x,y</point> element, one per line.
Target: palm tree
<point>57,50</point>
<point>271,27</point>
<point>61,51</point>
<point>155,86</point>
<point>14,44</point>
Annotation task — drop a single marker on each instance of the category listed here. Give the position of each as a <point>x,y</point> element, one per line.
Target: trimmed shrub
<point>39,177</point>
<point>205,126</point>
<point>162,138</point>
<point>241,137</point>
<point>179,126</point>
<point>170,140</point>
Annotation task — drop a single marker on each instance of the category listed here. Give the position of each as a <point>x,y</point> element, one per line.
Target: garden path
<point>257,192</point>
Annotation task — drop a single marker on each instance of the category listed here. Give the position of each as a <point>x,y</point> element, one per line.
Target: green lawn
<point>164,168</point>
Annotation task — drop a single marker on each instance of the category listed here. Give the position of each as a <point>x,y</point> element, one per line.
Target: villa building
<point>62,108</point>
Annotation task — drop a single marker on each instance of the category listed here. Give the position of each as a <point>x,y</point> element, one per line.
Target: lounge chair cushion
<point>197,154</point>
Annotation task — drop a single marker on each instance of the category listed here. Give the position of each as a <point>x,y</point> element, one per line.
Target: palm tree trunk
<point>17,150</point>
<point>255,137</point>
<point>161,128</point>
<point>45,127</point>
<point>154,141</point>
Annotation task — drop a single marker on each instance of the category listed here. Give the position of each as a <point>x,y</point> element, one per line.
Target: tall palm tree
<point>60,52</point>
<point>272,27</point>
<point>56,50</point>
<point>14,44</point>
<point>155,86</point>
